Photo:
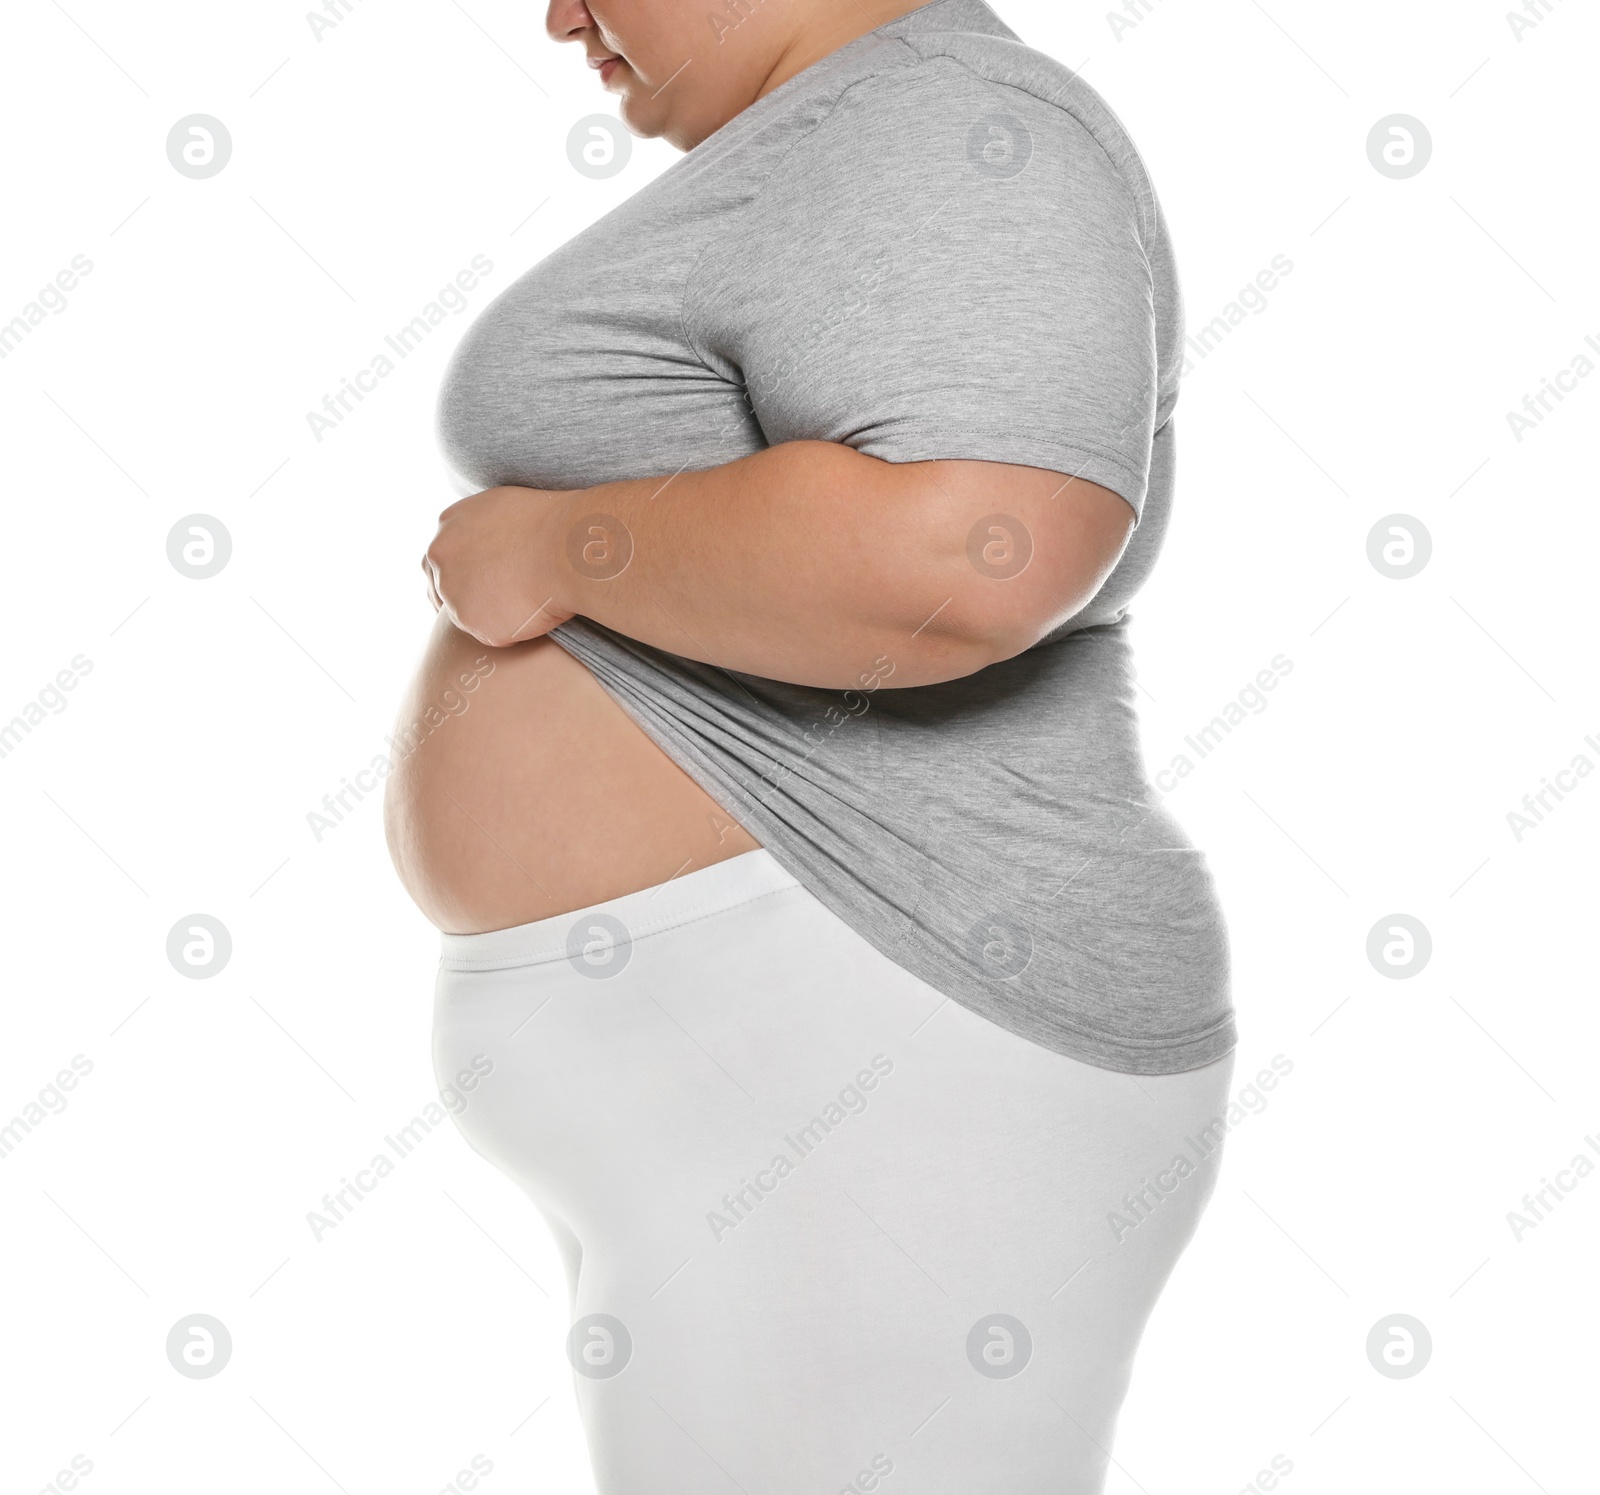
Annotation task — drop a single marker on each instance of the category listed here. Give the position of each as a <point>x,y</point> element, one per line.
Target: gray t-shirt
<point>934,243</point>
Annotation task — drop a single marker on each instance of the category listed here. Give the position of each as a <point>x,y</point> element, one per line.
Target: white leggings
<point>825,1230</point>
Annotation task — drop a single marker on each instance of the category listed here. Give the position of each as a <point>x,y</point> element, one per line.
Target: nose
<point>567,20</point>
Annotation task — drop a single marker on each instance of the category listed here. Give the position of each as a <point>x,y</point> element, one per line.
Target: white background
<point>367,169</point>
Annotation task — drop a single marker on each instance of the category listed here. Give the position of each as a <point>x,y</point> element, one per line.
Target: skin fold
<point>682,76</point>
<point>806,562</point>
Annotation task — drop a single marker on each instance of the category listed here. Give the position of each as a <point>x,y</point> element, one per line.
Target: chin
<point>642,117</point>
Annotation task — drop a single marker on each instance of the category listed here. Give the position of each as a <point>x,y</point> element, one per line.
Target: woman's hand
<point>493,567</point>
<point>806,562</point>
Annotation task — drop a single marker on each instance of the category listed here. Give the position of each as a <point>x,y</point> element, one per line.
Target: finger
<point>471,632</point>
<point>540,622</point>
<point>433,584</point>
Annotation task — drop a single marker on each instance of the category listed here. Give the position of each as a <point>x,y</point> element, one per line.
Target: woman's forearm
<point>806,562</point>
<point>811,563</point>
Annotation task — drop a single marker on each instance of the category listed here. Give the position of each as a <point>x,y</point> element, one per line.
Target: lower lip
<point>607,68</point>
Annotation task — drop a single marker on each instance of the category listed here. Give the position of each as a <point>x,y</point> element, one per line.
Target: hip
<point>724,1037</point>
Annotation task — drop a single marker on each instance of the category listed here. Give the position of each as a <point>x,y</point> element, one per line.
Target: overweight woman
<point>817,956</point>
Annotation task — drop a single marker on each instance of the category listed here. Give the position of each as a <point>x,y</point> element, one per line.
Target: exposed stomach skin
<point>522,791</point>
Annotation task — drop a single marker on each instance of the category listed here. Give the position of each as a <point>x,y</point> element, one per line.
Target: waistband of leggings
<point>634,916</point>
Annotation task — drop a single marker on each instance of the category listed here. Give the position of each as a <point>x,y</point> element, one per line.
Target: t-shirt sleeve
<point>943,267</point>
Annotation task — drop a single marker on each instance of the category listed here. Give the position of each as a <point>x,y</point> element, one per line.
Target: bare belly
<point>523,791</point>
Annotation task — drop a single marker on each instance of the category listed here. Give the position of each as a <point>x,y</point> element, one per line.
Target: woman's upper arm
<point>1023,548</point>
<point>993,336</point>
<point>885,290</point>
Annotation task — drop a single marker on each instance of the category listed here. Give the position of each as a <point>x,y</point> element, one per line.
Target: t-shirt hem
<point>938,442</point>
<point>1050,1028</point>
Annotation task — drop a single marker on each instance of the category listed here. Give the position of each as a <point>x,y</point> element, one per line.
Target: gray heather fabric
<point>934,243</point>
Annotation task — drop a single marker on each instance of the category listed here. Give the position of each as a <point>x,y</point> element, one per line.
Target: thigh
<point>825,1222</point>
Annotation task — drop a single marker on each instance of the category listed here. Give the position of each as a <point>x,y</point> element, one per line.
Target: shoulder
<point>949,104</point>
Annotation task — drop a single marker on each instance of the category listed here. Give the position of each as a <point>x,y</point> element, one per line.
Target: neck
<point>827,26</point>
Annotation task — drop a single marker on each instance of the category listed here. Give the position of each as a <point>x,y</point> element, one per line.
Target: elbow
<point>969,634</point>
<point>974,594</point>
<point>995,617</point>
<point>987,620</point>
